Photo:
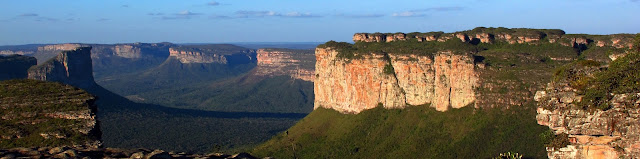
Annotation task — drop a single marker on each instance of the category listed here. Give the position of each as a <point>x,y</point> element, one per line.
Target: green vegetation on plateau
<point>24,105</point>
<point>410,46</point>
<point>220,49</point>
<point>412,132</point>
<point>597,84</point>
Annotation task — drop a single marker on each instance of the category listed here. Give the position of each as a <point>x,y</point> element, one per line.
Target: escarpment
<point>216,54</point>
<point>69,67</point>
<point>511,36</point>
<point>37,113</point>
<point>298,64</point>
<point>352,85</point>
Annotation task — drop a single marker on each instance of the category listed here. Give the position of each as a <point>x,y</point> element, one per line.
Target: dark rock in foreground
<point>85,152</point>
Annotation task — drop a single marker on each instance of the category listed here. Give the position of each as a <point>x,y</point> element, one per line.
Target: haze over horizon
<point>225,21</point>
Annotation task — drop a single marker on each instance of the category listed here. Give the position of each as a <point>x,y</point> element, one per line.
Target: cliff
<point>596,107</point>
<point>69,67</point>
<point>215,53</point>
<point>511,36</point>
<point>352,85</point>
<point>197,57</point>
<point>37,113</point>
<point>591,134</point>
<point>298,64</point>
<point>15,66</point>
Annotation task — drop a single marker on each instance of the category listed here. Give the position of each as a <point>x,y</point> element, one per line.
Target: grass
<point>24,105</point>
<point>413,132</point>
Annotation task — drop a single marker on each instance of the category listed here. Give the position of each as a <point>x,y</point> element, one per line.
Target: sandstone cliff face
<point>127,51</point>
<point>611,133</point>
<point>59,47</point>
<point>352,85</point>
<point>197,57</point>
<point>511,36</point>
<point>69,67</point>
<point>299,64</point>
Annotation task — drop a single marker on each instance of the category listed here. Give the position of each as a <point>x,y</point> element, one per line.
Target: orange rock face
<point>599,134</point>
<point>354,85</point>
<point>59,47</point>
<point>127,51</point>
<point>278,62</point>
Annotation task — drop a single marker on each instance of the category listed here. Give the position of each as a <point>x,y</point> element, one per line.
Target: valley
<point>466,94</point>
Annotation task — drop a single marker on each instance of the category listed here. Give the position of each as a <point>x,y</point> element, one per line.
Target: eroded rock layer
<point>69,67</point>
<point>393,81</point>
<point>38,113</point>
<point>511,36</point>
<point>612,133</point>
<point>298,64</point>
<point>197,57</point>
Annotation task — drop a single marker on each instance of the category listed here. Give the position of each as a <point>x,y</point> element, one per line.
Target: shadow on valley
<point>127,124</point>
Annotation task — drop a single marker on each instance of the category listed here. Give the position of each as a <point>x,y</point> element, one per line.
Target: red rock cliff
<point>353,85</point>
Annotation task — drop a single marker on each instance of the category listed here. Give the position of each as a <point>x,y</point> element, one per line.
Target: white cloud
<point>213,3</point>
<point>260,14</point>
<point>181,15</point>
<point>408,14</point>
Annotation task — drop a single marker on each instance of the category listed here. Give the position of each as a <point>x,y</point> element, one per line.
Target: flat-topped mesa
<point>216,53</point>
<point>59,47</point>
<point>70,67</point>
<point>443,80</point>
<point>298,64</point>
<point>511,36</point>
<point>196,57</point>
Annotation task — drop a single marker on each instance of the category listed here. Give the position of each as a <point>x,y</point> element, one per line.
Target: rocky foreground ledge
<point>84,152</point>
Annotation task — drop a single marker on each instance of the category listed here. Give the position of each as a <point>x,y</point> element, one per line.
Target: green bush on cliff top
<point>410,46</point>
<point>622,76</point>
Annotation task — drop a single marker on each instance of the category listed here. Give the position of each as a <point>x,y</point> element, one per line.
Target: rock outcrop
<point>511,36</point>
<point>299,64</point>
<point>89,152</point>
<point>197,57</point>
<point>69,67</point>
<point>38,113</point>
<point>393,81</point>
<point>59,47</point>
<point>218,54</point>
<point>15,66</point>
<point>611,133</point>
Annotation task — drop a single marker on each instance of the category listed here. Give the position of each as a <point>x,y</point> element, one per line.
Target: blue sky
<point>220,21</point>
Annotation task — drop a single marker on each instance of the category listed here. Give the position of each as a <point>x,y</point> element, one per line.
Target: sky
<point>227,21</point>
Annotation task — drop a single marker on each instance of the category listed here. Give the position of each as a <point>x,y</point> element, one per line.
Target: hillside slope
<point>510,64</point>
